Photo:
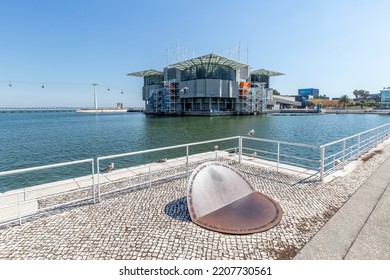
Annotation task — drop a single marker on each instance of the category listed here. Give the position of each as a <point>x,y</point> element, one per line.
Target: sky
<point>51,51</point>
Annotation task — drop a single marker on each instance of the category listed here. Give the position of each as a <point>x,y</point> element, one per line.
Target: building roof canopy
<point>208,59</point>
<point>282,100</point>
<point>150,72</point>
<point>266,72</point>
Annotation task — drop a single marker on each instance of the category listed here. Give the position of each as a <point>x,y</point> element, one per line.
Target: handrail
<point>165,148</point>
<point>99,159</point>
<point>355,135</point>
<point>282,142</point>
<point>23,191</point>
<point>280,155</point>
<point>322,162</point>
<point>44,167</point>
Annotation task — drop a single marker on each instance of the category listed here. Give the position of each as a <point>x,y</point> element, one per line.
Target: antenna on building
<point>238,52</point>
<point>247,53</point>
<point>176,54</point>
<point>167,51</point>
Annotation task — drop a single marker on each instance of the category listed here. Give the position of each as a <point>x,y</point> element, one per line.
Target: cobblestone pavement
<point>153,223</point>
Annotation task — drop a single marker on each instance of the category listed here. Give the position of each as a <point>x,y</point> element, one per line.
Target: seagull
<point>109,167</point>
<point>233,152</point>
<point>253,155</point>
<point>251,132</point>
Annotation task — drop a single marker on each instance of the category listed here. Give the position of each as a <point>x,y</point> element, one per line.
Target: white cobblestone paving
<point>154,224</point>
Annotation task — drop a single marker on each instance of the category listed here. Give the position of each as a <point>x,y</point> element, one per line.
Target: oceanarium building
<point>208,85</point>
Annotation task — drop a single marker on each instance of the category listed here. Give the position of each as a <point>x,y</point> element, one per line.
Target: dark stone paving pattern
<point>153,223</point>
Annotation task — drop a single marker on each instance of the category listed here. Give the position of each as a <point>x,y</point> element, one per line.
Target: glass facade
<point>208,71</point>
<point>309,91</point>
<point>153,80</point>
<point>256,78</point>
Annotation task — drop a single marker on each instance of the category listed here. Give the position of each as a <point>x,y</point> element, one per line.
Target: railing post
<point>93,182</point>
<point>344,143</point>
<point>369,141</point>
<point>376,140</point>
<point>388,131</point>
<point>19,210</point>
<point>98,179</point>
<point>150,177</point>
<point>358,146</point>
<point>322,163</point>
<point>187,153</point>
<point>239,149</point>
<point>278,158</point>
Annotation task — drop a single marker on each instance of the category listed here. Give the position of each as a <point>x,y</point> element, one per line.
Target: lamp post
<point>94,95</point>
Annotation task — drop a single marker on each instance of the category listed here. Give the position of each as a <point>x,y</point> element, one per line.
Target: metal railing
<point>335,155</point>
<point>282,153</point>
<point>29,201</point>
<point>150,170</point>
<point>319,161</point>
<point>324,159</point>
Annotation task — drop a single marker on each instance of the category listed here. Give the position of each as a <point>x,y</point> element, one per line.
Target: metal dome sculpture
<point>219,198</point>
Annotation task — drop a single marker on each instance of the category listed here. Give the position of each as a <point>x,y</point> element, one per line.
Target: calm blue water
<point>35,139</point>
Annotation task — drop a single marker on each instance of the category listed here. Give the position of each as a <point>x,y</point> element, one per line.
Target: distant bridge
<point>36,110</point>
<point>54,109</point>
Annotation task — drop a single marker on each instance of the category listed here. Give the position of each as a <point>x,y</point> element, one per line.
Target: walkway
<point>153,222</point>
<point>361,228</point>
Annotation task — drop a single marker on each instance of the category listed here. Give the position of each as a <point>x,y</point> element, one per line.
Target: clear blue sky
<point>336,46</point>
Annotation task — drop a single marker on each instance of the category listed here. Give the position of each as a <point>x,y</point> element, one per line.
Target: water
<point>35,139</point>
